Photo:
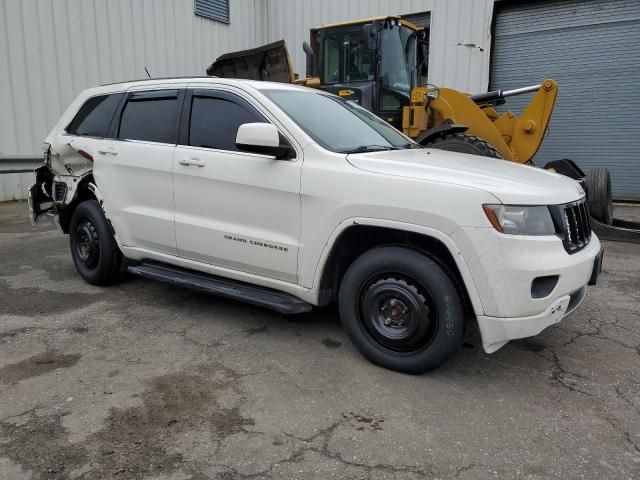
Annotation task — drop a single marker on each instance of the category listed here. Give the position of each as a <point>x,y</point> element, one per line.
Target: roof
<point>367,20</point>
<point>154,79</point>
<point>153,82</point>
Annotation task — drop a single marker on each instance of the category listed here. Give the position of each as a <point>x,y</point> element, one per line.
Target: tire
<point>94,250</point>
<point>401,309</point>
<point>459,142</point>
<point>598,182</point>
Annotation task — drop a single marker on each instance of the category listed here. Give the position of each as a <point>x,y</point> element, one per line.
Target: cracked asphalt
<point>143,380</point>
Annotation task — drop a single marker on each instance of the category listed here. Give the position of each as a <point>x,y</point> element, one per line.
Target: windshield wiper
<point>370,148</point>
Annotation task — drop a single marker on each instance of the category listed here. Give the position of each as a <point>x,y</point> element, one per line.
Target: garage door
<point>592,48</point>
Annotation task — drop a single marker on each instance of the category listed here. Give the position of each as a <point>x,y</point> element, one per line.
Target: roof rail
<point>159,78</point>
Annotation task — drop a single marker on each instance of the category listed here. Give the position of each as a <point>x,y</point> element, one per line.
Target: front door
<point>233,209</point>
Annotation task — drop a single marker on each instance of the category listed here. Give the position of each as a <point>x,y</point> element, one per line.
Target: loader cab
<point>375,63</point>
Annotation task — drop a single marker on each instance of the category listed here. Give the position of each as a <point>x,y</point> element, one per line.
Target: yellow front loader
<point>443,117</point>
<point>381,63</point>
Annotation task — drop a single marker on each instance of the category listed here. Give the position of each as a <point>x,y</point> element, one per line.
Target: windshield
<point>398,53</point>
<point>336,124</point>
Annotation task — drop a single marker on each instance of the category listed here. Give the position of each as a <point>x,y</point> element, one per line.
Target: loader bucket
<point>269,62</point>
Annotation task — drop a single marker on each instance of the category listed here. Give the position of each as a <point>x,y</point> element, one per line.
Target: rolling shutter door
<point>592,48</point>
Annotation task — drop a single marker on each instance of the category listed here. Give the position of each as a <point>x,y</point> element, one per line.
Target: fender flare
<point>96,192</point>
<point>94,189</point>
<point>446,240</point>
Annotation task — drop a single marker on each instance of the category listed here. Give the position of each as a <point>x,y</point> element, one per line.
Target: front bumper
<point>503,268</point>
<point>496,331</point>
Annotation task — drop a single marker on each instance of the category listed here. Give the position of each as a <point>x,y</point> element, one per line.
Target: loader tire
<point>459,142</point>
<point>598,182</point>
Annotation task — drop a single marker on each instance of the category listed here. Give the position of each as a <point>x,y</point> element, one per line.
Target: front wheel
<point>93,248</point>
<point>401,309</point>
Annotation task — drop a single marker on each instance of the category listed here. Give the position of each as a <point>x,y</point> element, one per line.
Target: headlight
<point>520,220</point>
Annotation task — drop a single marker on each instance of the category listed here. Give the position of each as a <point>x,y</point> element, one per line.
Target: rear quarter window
<point>94,117</point>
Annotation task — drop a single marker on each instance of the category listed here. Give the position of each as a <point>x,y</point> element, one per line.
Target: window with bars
<point>213,9</point>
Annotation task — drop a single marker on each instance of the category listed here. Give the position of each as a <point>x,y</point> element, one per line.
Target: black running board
<point>253,294</point>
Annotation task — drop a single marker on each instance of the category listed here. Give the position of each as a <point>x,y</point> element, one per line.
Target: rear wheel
<point>94,250</point>
<point>459,142</point>
<point>401,309</point>
<point>598,182</point>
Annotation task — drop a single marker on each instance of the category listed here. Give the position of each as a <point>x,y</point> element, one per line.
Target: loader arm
<point>445,105</point>
<point>531,126</point>
<point>516,138</point>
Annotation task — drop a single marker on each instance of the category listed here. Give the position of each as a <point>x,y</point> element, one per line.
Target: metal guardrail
<point>19,163</point>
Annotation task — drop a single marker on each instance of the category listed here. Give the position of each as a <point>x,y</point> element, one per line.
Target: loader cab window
<point>398,59</point>
<point>397,67</point>
<point>345,59</point>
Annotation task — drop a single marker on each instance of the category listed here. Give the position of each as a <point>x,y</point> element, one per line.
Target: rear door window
<point>151,117</point>
<point>215,121</point>
<point>94,117</point>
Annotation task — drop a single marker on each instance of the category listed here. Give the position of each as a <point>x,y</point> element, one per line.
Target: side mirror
<point>262,138</point>
<point>370,35</point>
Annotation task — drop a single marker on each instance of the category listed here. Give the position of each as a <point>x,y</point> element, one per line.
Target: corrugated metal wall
<point>455,26</point>
<point>50,50</point>
<point>592,48</point>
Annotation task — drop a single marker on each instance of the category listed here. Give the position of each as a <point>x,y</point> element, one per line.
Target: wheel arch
<point>355,236</point>
<point>85,190</point>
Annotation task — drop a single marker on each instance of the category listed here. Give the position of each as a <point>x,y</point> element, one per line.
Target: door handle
<point>108,151</point>
<point>191,161</point>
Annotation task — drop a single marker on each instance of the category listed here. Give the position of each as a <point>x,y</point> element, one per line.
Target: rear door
<point>133,169</point>
<point>233,209</point>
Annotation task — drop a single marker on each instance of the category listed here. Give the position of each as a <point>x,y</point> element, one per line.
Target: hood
<point>269,62</point>
<point>510,182</point>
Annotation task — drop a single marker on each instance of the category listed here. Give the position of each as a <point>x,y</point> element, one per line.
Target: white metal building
<point>51,50</point>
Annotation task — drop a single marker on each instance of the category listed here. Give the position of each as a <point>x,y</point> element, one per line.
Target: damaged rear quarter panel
<point>66,166</point>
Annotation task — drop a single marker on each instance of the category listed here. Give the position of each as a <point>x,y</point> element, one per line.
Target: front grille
<point>59,191</point>
<point>574,225</point>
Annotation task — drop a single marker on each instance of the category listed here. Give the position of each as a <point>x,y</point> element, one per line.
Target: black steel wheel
<point>401,309</point>
<point>88,243</point>
<point>94,250</point>
<point>396,315</point>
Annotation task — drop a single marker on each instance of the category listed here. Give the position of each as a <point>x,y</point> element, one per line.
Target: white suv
<point>290,198</point>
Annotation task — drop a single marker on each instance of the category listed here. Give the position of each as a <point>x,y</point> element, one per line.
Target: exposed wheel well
<point>356,240</point>
<point>82,193</point>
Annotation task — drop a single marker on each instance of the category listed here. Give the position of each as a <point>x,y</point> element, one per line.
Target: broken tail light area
<point>41,194</point>
<point>46,150</point>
